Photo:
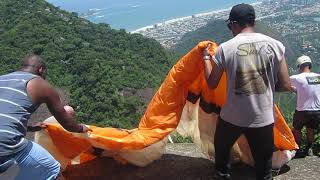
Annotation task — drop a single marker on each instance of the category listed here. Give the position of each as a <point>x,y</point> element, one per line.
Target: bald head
<point>34,64</point>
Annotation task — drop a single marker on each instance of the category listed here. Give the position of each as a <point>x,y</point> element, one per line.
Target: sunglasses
<point>230,23</point>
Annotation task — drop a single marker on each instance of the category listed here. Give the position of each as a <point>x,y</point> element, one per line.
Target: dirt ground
<point>185,162</point>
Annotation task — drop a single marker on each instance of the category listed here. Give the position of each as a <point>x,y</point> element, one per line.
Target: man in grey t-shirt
<point>255,68</point>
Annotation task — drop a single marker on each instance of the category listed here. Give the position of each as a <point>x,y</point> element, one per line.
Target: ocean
<point>135,14</point>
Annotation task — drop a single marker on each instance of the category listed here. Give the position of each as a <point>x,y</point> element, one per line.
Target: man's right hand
<point>206,53</point>
<point>84,129</point>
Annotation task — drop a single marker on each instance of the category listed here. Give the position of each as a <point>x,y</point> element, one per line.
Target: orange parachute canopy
<point>185,82</point>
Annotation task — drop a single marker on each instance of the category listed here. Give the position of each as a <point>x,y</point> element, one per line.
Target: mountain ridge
<point>96,64</point>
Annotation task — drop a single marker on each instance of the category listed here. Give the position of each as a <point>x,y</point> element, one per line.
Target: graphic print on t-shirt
<point>253,67</point>
<point>313,80</point>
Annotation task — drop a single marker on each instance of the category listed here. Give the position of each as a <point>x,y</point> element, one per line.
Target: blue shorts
<point>35,163</point>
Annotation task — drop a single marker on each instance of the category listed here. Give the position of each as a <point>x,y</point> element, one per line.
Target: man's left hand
<point>37,127</point>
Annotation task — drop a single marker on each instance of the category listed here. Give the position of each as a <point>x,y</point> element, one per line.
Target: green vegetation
<point>106,71</point>
<point>217,31</point>
<point>177,138</point>
<point>300,27</point>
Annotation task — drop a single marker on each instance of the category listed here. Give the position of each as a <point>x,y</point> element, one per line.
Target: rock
<point>184,161</point>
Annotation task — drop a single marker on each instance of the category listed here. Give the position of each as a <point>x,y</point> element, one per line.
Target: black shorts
<point>310,119</point>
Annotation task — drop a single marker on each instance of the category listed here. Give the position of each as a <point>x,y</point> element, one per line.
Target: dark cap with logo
<point>243,13</point>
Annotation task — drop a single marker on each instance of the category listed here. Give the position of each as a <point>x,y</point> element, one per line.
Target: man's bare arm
<point>212,75</point>
<point>283,83</point>
<point>212,72</point>
<point>41,91</point>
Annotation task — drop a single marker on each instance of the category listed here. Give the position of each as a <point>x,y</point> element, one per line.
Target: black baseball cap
<point>242,13</point>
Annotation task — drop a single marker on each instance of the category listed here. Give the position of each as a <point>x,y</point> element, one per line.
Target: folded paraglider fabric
<point>183,96</point>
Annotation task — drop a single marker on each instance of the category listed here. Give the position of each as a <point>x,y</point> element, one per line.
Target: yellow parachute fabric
<point>184,83</point>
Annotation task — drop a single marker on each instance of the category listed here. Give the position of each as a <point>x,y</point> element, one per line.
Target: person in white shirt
<point>307,87</point>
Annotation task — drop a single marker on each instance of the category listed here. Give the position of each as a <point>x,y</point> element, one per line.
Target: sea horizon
<point>135,15</point>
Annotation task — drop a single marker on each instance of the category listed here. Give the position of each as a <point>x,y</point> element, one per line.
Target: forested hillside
<point>217,31</point>
<point>107,72</point>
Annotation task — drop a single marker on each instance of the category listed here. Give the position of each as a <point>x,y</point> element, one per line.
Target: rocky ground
<point>185,162</point>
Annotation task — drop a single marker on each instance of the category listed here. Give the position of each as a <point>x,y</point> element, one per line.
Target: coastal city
<point>129,90</point>
<point>287,17</point>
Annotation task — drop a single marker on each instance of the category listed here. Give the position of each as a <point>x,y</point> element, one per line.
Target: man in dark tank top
<point>21,93</point>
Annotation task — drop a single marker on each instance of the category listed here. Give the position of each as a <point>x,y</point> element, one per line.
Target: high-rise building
<point>302,2</point>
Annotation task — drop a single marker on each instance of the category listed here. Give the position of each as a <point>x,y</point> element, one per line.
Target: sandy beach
<point>185,18</point>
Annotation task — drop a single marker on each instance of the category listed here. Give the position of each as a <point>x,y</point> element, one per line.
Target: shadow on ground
<point>169,167</point>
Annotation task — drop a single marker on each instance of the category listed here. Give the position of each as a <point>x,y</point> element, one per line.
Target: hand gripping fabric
<point>184,95</point>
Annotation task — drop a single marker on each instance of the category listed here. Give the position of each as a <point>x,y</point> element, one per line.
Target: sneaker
<point>222,176</point>
<point>300,154</point>
<point>310,152</point>
<point>275,172</point>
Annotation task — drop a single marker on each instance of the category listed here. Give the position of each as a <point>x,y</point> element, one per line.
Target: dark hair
<point>246,23</point>
<point>307,64</point>
<point>32,60</point>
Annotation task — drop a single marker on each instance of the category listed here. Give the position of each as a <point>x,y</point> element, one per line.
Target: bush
<point>177,138</point>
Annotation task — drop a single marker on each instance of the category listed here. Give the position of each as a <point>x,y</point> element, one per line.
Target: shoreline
<point>187,18</point>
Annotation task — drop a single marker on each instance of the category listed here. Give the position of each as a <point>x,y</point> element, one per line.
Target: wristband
<point>81,128</point>
<point>207,57</point>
